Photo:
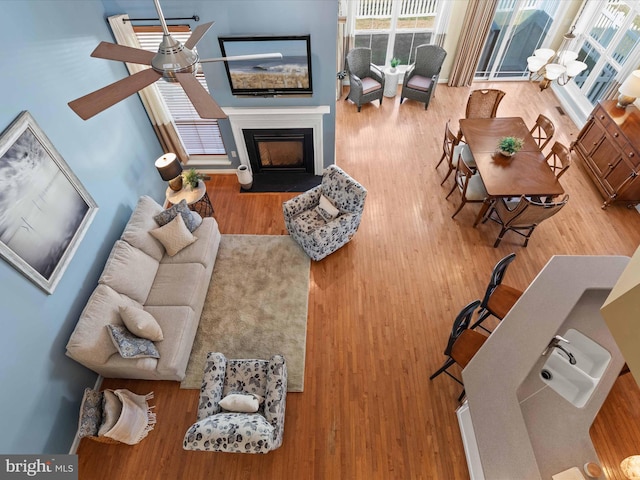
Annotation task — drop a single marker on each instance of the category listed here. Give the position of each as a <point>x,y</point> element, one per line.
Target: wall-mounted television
<point>289,76</point>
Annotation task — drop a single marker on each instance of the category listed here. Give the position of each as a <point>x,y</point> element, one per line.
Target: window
<point>199,136</point>
<point>610,42</point>
<point>393,28</point>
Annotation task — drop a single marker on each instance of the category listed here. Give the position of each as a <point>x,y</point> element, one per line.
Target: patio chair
<point>366,80</point>
<point>421,77</point>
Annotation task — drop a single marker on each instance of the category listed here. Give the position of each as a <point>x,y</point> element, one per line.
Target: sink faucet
<point>555,343</point>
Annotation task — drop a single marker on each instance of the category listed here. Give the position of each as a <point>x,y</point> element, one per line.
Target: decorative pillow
<point>326,209</point>
<point>170,213</point>
<point>197,220</point>
<point>90,413</point>
<point>130,346</point>
<point>174,236</point>
<point>111,410</point>
<point>141,323</point>
<point>240,402</point>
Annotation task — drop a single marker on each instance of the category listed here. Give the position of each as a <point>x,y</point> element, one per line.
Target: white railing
<point>409,8</point>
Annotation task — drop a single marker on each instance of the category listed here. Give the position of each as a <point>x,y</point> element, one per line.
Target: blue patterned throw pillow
<point>170,213</point>
<point>130,346</point>
<point>90,413</point>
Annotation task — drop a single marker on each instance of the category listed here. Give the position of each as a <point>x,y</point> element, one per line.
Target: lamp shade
<point>554,70</point>
<point>169,166</point>
<point>630,467</point>
<point>544,53</point>
<point>575,67</point>
<point>631,86</point>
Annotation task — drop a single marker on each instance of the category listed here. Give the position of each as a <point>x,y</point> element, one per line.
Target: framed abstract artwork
<point>44,209</point>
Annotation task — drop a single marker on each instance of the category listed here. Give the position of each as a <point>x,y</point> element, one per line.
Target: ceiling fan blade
<point>200,98</point>
<point>257,56</point>
<point>112,51</point>
<point>94,103</point>
<point>197,34</point>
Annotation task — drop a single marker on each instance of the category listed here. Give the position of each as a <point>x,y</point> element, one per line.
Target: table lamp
<point>170,170</point>
<point>629,90</point>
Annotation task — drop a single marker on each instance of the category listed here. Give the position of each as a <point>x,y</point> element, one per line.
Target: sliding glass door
<point>519,27</point>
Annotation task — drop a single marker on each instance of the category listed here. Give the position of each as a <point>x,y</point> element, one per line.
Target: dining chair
<point>559,159</point>
<point>448,144</point>
<point>542,131</point>
<point>522,217</point>
<point>468,182</point>
<point>498,297</point>
<point>483,103</point>
<point>462,345</point>
<point>366,80</point>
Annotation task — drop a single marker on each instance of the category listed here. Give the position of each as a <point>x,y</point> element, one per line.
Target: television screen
<point>289,75</point>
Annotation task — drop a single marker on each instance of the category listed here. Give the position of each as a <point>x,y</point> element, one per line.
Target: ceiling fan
<point>174,62</point>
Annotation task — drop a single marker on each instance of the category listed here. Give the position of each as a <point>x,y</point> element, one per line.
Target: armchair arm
<point>338,230</point>
<point>377,73</point>
<point>302,202</point>
<point>276,397</point>
<point>212,384</point>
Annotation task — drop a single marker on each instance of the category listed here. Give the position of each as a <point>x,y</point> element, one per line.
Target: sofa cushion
<point>90,342</point>
<point>129,271</point>
<point>174,236</point>
<point>141,323</point>
<point>175,285</point>
<point>130,346</point>
<point>204,250</point>
<point>179,324</point>
<point>136,232</point>
<point>90,413</point>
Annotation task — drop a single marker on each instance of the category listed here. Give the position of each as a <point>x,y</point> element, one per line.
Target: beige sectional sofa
<point>138,272</point>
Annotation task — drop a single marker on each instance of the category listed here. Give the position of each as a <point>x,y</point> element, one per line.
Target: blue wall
<point>319,18</point>
<point>45,64</point>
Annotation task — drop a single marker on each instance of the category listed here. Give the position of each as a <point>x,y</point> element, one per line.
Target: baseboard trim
<point>76,438</point>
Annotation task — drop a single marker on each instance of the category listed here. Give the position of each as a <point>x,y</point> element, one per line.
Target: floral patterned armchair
<point>222,431</point>
<point>317,234</point>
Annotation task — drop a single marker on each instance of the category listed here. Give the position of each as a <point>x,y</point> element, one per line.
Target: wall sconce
<point>629,90</point>
<point>170,170</point>
<point>630,467</point>
<point>548,66</point>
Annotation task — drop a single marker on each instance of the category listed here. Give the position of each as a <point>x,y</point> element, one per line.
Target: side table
<point>390,82</point>
<point>197,198</point>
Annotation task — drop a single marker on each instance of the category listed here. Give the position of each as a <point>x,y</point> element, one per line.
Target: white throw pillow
<point>141,323</point>
<point>327,210</point>
<point>111,410</point>
<point>174,235</point>
<point>239,402</point>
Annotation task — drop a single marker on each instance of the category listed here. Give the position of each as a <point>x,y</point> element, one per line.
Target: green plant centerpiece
<point>508,146</point>
<point>192,178</point>
<point>394,63</point>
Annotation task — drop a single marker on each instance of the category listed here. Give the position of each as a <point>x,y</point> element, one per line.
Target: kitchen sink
<point>575,383</point>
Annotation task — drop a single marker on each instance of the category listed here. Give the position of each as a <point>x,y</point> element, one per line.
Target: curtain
<point>151,99</point>
<point>340,53</point>
<point>475,30</point>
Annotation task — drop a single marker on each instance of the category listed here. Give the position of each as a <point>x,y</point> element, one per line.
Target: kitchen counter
<point>524,429</point>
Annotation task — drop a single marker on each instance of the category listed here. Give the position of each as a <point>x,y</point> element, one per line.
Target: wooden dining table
<point>525,173</point>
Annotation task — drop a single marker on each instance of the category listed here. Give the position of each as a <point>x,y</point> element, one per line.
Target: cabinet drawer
<point>601,116</point>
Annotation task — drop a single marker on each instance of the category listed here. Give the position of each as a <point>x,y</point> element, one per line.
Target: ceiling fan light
<point>565,58</point>
<point>544,53</point>
<point>534,63</point>
<point>554,70</point>
<point>574,68</point>
<point>173,57</point>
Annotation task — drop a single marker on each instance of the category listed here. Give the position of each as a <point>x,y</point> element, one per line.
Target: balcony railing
<point>409,8</point>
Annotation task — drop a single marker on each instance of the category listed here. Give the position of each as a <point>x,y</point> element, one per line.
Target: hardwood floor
<point>380,311</point>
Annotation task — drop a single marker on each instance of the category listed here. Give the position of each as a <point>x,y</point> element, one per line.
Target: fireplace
<point>277,150</point>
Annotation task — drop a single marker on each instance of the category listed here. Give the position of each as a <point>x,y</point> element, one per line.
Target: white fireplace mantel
<point>279,117</point>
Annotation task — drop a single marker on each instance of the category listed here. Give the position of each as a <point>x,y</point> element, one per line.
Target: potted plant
<point>192,178</point>
<point>394,63</point>
<point>508,146</point>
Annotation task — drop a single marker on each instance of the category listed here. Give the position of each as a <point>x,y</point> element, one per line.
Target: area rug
<point>256,305</point>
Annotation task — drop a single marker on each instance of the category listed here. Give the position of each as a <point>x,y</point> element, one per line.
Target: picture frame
<point>44,209</point>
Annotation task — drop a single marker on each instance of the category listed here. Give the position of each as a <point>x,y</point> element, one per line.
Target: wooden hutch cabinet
<point>609,146</point>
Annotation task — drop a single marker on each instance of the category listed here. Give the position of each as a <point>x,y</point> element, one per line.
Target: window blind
<point>199,136</point>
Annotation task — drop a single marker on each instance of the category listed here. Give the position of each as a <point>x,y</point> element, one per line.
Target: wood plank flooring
<point>380,310</point>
